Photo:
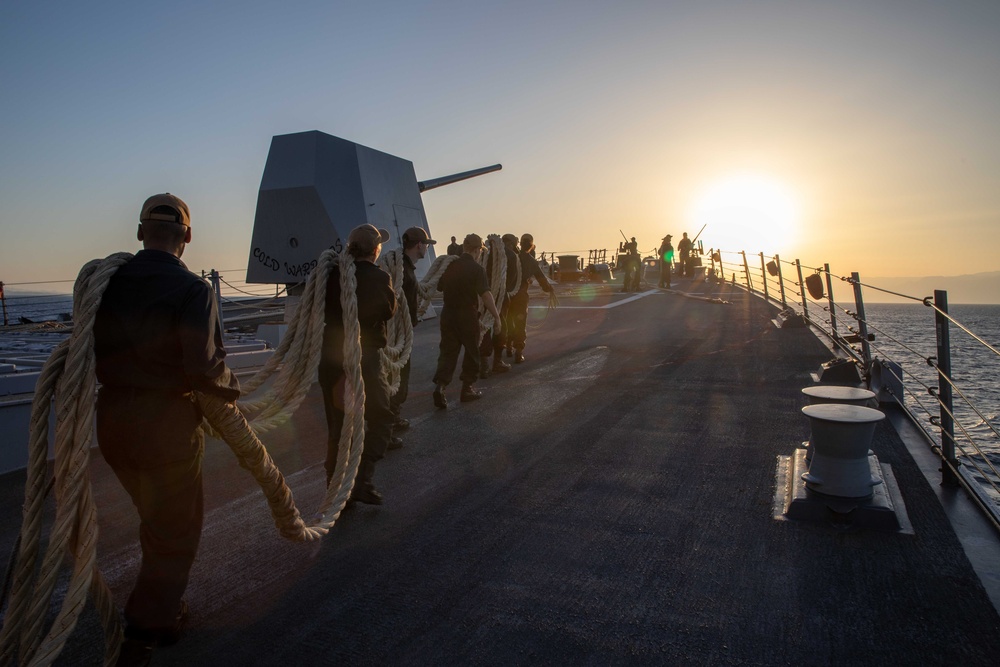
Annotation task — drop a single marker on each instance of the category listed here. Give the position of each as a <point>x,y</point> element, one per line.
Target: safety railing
<point>942,382</point>
<point>52,300</point>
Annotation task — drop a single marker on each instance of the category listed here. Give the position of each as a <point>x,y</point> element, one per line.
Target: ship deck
<point>610,501</point>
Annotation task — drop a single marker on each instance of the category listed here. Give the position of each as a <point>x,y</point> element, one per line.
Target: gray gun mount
<point>316,188</point>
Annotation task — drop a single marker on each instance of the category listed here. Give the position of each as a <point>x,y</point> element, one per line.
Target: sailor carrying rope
<point>68,382</point>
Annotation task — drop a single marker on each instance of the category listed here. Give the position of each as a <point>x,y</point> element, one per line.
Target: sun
<point>751,212</point>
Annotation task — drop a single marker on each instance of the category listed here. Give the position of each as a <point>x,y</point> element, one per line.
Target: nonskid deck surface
<point>608,501</point>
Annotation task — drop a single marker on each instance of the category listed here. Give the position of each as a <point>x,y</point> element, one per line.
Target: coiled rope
<point>517,284</point>
<point>399,329</point>
<point>497,278</point>
<point>427,288</point>
<point>69,377</point>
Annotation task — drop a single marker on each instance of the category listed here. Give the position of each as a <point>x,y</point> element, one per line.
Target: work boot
<point>400,424</point>
<point>395,442</point>
<point>518,357</point>
<point>364,490</point>
<point>367,494</point>
<point>499,366</point>
<point>439,398</point>
<point>470,393</point>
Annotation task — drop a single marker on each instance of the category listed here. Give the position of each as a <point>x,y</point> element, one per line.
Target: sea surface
<point>35,306</point>
<point>904,333</point>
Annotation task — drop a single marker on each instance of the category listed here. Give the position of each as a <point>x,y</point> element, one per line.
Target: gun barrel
<point>699,233</point>
<point>455,178</point>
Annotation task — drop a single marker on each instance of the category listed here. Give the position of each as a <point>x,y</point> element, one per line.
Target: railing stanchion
<point>802,290</point>
<point>941,328</point>
<point>781,282</point>
<point>763,276</point>
<point>217,287</point>
<point>746,271</point>
<point>3,302</point>
<point>833,304</point>
<point>859,305</point>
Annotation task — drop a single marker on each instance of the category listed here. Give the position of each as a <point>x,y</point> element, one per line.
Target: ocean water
<point>905,333</point>
<point>36,306</point>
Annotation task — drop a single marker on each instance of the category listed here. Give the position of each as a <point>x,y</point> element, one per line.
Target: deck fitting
<point>883,510</point>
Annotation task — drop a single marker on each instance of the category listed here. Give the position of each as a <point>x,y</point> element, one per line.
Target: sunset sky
<point>864,134</point>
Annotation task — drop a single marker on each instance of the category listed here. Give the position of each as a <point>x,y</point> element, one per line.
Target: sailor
<point>376,304</point>
<point>454,248</point>
<point>415,243</point>
<point>629,253</point>
<point>666,253</point>
<point>519,302</point>
<point>684,248</point>
<point>635,265</point>
<point>463,284</point>
<point>495,341</point>
<point>157,338</point>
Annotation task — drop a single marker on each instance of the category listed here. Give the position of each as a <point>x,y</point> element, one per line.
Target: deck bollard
<point>823,394</point>
<point>841,436</point>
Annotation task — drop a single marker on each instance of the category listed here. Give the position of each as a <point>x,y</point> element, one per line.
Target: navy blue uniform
<point>157,338</point>
<point>519,303</point>
<point>462,283</point>
<point>376,304</point>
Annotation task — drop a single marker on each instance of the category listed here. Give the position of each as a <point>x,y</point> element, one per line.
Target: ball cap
<point>181,214</point>
<point>417,235</point>
<point>367,237</point>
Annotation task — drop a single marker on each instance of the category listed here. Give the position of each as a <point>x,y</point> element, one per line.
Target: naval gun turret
<point>316,188</point>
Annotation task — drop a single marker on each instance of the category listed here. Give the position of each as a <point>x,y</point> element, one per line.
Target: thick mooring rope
<point>69,377</point>
<point>497,277</point>
<point>517,284</point>
<point>399,330</point>
<point>427,288</point>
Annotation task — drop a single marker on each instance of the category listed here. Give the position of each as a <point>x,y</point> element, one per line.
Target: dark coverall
<point>684,248</point>
<point>519,303</point>
<point>462,283</point>
<point>666,259</point>
<point>156,339</point>
<point>376,304</point>
<point>410,292</point>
